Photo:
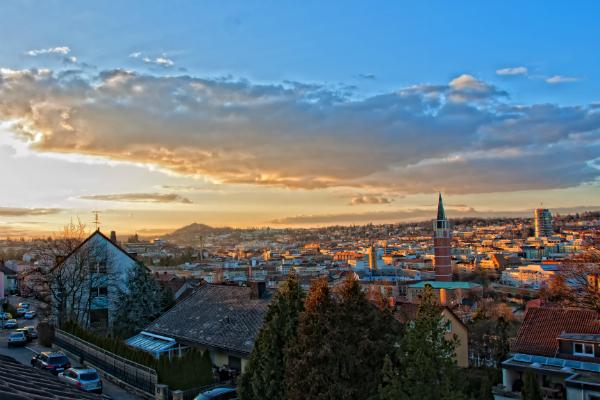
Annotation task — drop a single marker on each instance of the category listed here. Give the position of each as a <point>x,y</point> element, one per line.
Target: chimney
<point>257,289</point>
<point>113,237</point>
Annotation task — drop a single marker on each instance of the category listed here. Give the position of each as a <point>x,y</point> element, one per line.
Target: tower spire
<point>441,214</point>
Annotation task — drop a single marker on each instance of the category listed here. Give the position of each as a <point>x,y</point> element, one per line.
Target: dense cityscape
<point>299,200</point>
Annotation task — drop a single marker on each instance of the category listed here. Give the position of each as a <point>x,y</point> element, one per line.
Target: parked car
<point>52,362</point>
<point>21,311</point>
<point>30,314</point>
<point>84,379</point>
<point>23,305</point>
<point>5,315</point>
<point>220,393</point>
<point>17,339</point>
<point>11,324</point>
<point>29,331</point>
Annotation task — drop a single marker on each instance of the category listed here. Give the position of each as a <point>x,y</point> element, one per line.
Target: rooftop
<point>542,326</point>
<point>215,316</point>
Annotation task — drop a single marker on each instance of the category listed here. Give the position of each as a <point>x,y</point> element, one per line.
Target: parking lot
<point>24,354</point>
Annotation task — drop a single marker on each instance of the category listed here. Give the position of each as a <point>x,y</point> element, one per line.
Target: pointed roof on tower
<point>441,215</point>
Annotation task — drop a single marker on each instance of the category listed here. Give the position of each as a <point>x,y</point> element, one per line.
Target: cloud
<point>512,71</point>
<point>463,136</point>
<point>161,61</point>
<point>369,199</point>
<point>140,198</point>
<point>411,215</point>
<point>62,50</point>
<point>561,79</point>
<point>29,212</point>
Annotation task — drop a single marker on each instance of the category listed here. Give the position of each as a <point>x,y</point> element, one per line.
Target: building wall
<point>462,334</point>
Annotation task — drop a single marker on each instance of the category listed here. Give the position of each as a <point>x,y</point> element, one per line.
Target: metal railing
<point>134,374</point>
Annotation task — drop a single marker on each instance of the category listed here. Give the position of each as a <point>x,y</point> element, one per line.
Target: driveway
<point>24,354</point>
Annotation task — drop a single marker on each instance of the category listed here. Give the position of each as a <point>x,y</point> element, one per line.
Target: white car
<point>17,339</point>
<point>30,315</point>
<point>11,324</point>
<point>83,378</point>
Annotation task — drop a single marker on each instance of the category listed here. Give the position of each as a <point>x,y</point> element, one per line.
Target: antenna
<point>96,219</point>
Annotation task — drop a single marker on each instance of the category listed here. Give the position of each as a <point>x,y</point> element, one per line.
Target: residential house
<point>92,276</point>
<point>222,319</point>
<point>8,281</point>
<point>562,347</point>
<point>529,276</point>
<point>455,328</point>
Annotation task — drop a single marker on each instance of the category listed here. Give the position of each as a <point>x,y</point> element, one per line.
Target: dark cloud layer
<point>140,198</point>
<point>464,136</point>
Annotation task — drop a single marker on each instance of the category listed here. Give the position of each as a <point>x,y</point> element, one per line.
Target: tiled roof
<point>542,326</point>
<point>20,382</point>
<point>216,316</point>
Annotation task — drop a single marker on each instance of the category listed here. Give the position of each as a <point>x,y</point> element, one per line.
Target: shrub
<point>192,370</point>
<point>45,334</point>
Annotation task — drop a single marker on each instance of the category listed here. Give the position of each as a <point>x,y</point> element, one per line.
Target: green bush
<point>192,370</point>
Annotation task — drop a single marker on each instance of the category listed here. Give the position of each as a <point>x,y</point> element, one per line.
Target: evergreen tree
<point>310,371</point>
<point>531,387</point>
<point>342,342</point>
<point>423,367</point>
<point>139,304</point>
<point>264,376</point>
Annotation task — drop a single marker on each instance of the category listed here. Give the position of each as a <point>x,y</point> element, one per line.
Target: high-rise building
<point>442,242</point>
<point>542,219</point>
<point>372,253</point>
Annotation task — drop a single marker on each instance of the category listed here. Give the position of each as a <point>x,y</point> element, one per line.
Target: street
<point>24,354</point>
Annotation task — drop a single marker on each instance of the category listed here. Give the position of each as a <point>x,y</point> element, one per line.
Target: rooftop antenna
<point>96,219</point>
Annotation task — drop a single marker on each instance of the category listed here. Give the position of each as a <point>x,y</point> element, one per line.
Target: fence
<point>134,374</point>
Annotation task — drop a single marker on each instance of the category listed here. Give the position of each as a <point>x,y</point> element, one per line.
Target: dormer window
<point>583,349</point>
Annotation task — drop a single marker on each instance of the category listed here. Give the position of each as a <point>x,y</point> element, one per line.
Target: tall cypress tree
<point>341,345</point>
<point>310,366</point>
<point>423,368</point>
<point>264,376</point>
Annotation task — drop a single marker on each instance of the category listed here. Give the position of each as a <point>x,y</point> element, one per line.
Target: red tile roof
<point>542,326</point>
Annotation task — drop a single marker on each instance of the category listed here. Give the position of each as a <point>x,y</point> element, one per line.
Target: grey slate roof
<point>215,316</point>
<point>20,382</point>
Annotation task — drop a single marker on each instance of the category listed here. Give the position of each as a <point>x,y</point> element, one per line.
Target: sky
<point>273,113</point>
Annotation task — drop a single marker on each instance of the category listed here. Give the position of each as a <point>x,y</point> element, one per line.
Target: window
<point>583,349</point>
<point>99,291</point>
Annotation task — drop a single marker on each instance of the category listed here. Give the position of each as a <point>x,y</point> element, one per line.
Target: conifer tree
<point>311,371</point>
<point>139,304</point>
<point>264,376</point>
<point>341,345</point>
<point>531,387</point>
<point>423,367</point>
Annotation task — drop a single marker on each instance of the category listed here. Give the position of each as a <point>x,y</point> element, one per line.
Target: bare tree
<point>70,285</point>
<point>577,284</point>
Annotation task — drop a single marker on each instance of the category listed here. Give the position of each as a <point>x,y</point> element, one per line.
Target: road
<point>24,354</point>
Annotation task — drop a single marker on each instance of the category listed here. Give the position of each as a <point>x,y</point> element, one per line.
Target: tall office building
<point>372,253</point>
<point>542,219</point>
<point>442,242</point>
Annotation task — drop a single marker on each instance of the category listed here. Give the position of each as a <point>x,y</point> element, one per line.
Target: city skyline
<point>287,115</point>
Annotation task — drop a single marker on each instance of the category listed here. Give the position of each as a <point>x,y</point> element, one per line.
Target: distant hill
<point>191,233</point>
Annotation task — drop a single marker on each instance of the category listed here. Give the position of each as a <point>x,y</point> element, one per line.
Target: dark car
<point>29,331</point>
<point>52,362</point>
<point>220,393</point>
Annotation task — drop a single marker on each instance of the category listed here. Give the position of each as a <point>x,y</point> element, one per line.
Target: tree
<point>341,344</point>
<point>423,367</point>
<point>310,371</point>
<point>139,303</point>
<point>531,387</point>
<point>264,376</point>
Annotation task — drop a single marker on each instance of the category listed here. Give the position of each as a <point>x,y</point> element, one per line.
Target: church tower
<point>442,242</point>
